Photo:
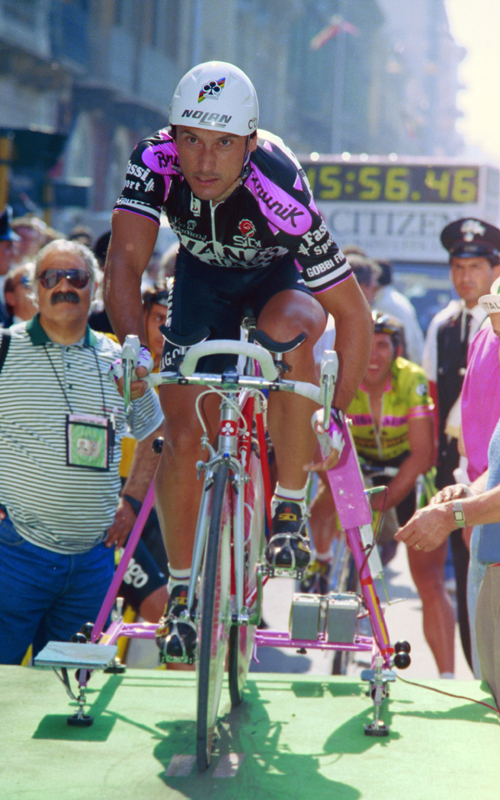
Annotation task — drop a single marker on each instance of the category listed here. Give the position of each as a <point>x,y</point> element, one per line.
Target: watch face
<point>458,514</point>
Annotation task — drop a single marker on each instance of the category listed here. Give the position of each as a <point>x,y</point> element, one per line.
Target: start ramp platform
<point>292,737</point>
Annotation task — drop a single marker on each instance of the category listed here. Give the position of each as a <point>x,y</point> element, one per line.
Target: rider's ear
<point>252,142</point>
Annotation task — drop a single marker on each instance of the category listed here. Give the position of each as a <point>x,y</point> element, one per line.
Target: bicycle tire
<point>241,637</point>
<point>214,616</point>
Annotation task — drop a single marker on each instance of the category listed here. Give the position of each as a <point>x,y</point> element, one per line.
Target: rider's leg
<point>178,494</point>
<point>177,489</point>
<point>284,316</point>
<point>323,519</point>
<point>427,570</point>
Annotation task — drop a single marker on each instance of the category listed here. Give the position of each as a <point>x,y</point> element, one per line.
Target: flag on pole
<point>336,25</point>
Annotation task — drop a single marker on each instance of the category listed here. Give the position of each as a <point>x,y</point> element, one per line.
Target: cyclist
<point>392,417</point>
<point>249,232</point>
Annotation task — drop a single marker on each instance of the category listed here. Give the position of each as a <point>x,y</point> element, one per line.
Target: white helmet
<point>491,302</point>
<point>218,96</point>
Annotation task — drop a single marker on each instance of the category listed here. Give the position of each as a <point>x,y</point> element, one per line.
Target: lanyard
<point>62,387</point>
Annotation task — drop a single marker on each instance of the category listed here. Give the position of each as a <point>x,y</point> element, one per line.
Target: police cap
<point>469,237</point>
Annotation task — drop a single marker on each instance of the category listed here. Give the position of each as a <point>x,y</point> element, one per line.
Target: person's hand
<point>378,501</point>
<point>329,462</point>
<point>2,514</point>
<point>331,445</point>
<point>145,364</point>
<point>123,523</point>
<point>454,492</point>
<point>427,529</point>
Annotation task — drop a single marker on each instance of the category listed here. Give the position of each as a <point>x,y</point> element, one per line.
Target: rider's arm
<point>420,433</point>
<point>354,330</point>
<point>132,243</point>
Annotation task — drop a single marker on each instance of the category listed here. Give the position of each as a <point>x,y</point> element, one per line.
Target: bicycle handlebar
<point>187,373</point>
<point>229,346</point>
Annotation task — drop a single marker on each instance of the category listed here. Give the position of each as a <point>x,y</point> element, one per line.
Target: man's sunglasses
<point>77,278</point>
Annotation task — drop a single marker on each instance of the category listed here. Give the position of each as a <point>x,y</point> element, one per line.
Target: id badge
<point>89,441</point>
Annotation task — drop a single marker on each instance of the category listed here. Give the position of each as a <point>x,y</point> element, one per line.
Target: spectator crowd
<point>73,478</point>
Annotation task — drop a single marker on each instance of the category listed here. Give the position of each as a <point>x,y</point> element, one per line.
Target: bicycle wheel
<point>241,637</point>
<point>214,616</point>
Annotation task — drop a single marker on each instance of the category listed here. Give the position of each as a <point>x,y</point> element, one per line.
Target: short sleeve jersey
<point>405,397</point>
<point>270,213</point>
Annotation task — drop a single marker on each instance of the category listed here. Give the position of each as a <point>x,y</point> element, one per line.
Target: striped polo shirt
<point>61,508</point>
<point>406,396</point>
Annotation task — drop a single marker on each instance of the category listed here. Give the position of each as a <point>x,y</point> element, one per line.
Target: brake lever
<point>329,371</point>
<point>130,355</point>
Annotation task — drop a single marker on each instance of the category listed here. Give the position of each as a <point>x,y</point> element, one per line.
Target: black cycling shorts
<point>206,296</point>
<point>406,508</point>
<point>142,578</point>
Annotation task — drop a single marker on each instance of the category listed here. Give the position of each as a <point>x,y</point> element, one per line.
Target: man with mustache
<point>61,426</point>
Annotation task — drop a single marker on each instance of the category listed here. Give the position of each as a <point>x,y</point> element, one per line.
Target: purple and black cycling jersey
<point>270,214</point>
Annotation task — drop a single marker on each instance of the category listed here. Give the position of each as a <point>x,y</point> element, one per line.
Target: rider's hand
<point>2,514</point>
<point>145,364</point>
<point>123,523</point>
<point>454,492</point>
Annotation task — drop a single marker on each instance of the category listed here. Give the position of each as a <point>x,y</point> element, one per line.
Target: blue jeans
<point>474,580</point>
<point>46,596</point>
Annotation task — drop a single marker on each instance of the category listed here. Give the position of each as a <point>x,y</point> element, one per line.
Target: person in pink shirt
<point>480,400</point>
<point>480,414</point>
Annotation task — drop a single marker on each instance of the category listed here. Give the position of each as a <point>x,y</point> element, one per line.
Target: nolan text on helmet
<point>207,118</point>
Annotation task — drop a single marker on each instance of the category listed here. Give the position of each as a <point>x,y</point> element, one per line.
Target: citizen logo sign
<point>207,118</point>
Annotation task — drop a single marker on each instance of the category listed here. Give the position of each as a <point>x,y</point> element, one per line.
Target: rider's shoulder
<point>408,377</point>
<point>157,152</point>
<point>273,156</point>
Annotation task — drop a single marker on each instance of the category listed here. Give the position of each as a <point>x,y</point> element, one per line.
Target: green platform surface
<point>291,738</point>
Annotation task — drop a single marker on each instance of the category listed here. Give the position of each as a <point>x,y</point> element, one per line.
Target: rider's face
<point>211,161</point>
<point>381,360</point>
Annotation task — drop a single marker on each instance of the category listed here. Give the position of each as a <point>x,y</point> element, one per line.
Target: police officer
<point>474,248</point>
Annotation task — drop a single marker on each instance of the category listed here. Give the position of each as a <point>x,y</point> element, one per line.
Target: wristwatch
<point>458,513</point>
<point>136,504</point>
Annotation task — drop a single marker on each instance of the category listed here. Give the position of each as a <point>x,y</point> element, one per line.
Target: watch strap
<point>136,504</point>
<point>458,514</point>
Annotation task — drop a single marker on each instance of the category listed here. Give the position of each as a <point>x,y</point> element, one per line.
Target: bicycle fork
<point>227,453</point>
